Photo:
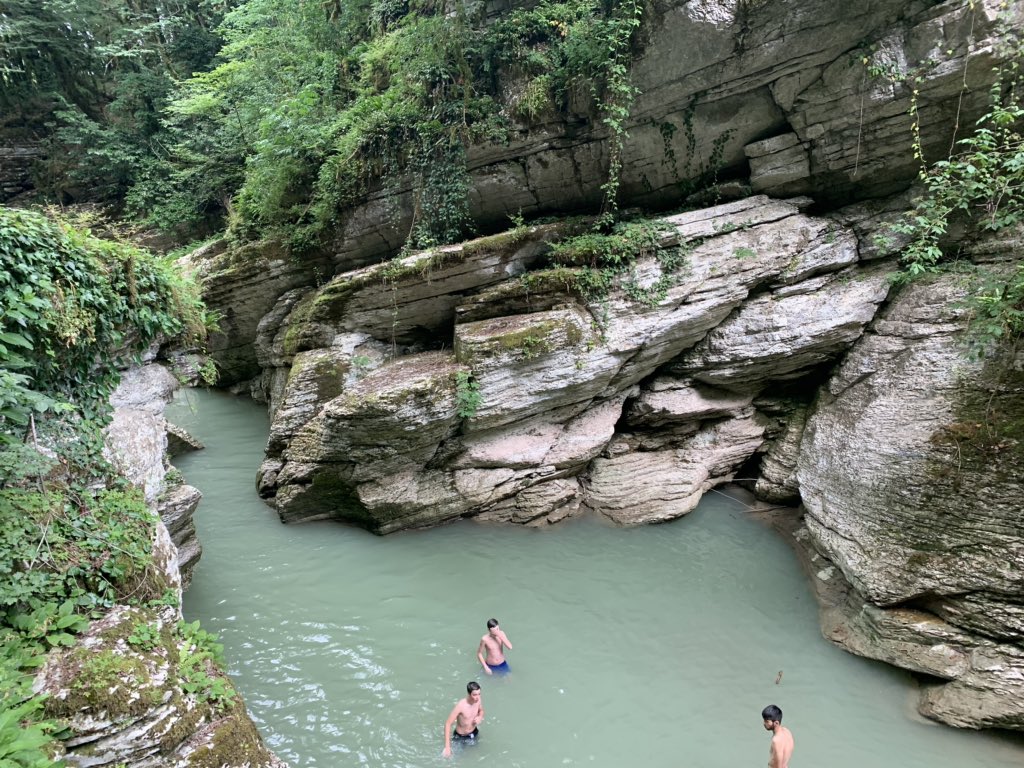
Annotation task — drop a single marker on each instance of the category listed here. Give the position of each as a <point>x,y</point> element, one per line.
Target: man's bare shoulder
<point>783,736</point>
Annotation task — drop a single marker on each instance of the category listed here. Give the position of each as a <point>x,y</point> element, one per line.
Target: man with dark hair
<point>466,715</point>
<point>491,651</point>
<point>781,748</point>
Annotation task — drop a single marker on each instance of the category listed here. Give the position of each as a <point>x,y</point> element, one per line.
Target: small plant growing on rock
<point>144,636</point>
<point>467,395</point>
<point>199,657</point>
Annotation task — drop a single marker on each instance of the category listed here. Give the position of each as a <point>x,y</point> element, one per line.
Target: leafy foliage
<point>313,105</point>
<point>570,46</point>
<point>200,657</point>
<point>982,183</point>
<point>603,258</point>
<point>98,73</point>
<point>467,395</point>
<point>75,307</point>
<point>22,737</point>
<point>73,537</point>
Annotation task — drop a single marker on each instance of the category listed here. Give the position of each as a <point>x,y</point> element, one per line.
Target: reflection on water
<point>659,644</point>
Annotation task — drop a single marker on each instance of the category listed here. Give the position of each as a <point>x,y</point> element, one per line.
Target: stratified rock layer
<point>909,470</point>
<point>546,408</point>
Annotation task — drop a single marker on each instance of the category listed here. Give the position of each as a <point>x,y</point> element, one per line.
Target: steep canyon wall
<point>758,335</point>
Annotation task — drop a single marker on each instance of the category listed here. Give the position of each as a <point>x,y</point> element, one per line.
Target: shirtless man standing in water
<point>491,651</point>
<point>466,715</point>
<point>781,748</point>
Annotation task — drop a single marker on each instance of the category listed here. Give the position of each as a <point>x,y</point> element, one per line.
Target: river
<point>658,644</point>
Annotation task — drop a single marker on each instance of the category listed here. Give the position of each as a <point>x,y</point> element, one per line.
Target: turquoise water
<point>658,644</point>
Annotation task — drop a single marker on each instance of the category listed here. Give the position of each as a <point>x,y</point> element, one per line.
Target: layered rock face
<point>633,403</point>
<point>137,445</point>
<point>780,95</point>
<point>484,380</point>
<point>909,470</point>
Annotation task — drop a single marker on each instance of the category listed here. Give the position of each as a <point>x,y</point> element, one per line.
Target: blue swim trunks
<point>500,669</point>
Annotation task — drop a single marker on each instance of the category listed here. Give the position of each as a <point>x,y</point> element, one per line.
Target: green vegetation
<point>980,184</point>
<point>199,665</point>
<point>99,74</point>
<point>593,261</point>
<point>74,538</point>
<point>467,395</point>
<point>279,114</point>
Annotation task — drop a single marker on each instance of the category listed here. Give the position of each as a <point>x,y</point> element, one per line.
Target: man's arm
<point>480,655</point>
<point>480,716</point>
<point>448,731</point>
<point>504,639</point>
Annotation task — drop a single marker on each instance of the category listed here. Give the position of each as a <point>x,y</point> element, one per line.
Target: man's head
<point>772,717</point>
<point>492,625</point>
<point>473,691</point>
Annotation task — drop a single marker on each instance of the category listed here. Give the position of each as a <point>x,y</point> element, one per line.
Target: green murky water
<point>658,644</point>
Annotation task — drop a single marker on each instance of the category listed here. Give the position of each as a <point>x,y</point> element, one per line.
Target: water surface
<point>658,644</point>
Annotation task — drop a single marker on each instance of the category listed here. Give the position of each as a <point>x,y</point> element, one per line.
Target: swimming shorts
<point>465,738</point>
<point>501,669</point>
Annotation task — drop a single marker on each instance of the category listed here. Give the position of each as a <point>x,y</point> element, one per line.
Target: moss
<point>298,318</point>
<point>327,371</point>
<point>565,279</point>
<point>108,681</point>
<point>503,242</point>
<point>182,725</point>
<point>235,741</point>
<point>527,336</point>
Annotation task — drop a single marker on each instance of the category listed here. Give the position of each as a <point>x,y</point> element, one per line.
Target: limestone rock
<point>670,400</point>
<point>782,81</point>
<point>909,472</point>
<point>884,509</point>
<point>136,438</point>
<point>981,680</point>
<point>124,703</point>
<point>242,285</point>
<point>539,505</point>
<point>314,378</point>
<point>408,300</point>
<point>535,397</point>
<point>778,481</point>
<point>179,441</point>
<point>652,486</point>
<point>779,166</point>
<point>527,364</point>
<point>176,508</point>
<point>395,417</point>
<point>786,333</point>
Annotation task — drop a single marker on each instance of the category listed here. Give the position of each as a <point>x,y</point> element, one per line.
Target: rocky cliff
<point>139,687</point>
<point>759,337</point>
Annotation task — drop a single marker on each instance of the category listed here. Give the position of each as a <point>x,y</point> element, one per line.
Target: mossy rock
<point>518,337</point>
<point>110,676</point>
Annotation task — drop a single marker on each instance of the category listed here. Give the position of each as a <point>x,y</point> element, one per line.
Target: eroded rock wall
<point>479,380</point>
<point>788,97</point>
<point>909,470</point>
<point>551,402</point>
